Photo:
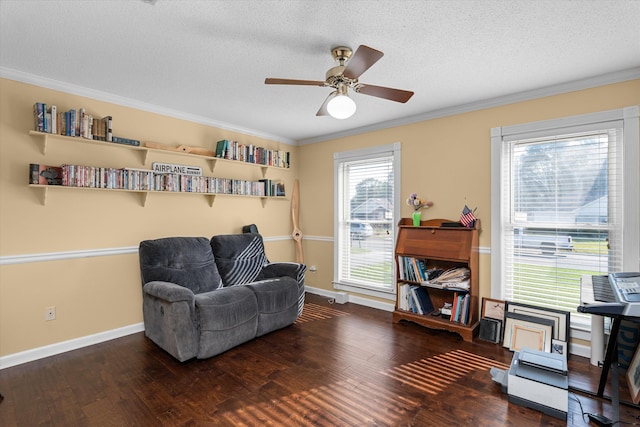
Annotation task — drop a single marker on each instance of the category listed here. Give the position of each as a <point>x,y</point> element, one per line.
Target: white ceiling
<point>207,60</point>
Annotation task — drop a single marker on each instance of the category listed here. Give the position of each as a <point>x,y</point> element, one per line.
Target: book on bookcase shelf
<point>416,299</point>
<point>414,269</point>
<point>424,300</point>
<point>460,308</point>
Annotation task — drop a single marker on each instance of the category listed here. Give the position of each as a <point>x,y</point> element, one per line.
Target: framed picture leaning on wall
<point>633,377</point>
<point>561,318</point>
<point>493,308</point>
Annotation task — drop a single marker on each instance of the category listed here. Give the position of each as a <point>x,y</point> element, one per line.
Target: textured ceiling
<point>207,60</point>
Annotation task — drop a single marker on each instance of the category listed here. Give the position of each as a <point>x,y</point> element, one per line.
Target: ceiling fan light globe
<point>341,107</point>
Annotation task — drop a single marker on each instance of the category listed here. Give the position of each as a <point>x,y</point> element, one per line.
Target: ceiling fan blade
<point>270,81</point>
<point>361,61</point>
<point>385,92</point>
<point>323,108</point>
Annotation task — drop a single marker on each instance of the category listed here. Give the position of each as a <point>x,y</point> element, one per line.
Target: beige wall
<point>446,160</point>
<point>98,294</point>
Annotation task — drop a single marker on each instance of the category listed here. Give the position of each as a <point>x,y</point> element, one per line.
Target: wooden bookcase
<point>441,247</point>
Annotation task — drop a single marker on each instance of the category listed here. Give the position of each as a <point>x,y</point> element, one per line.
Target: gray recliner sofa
<point>203,297</point>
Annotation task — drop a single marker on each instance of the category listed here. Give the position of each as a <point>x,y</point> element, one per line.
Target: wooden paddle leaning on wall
<point>295,215</point>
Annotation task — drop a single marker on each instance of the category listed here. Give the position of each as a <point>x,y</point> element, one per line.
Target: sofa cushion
<point>277,303</point>
<point>186,261</point>
<point>227,317</point>
<point>239,257</point>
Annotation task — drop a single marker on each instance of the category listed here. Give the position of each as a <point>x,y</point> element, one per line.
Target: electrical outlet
<point>50,313</point>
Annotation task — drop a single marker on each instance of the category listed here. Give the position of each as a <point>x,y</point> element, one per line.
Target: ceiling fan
<point>345,76</point>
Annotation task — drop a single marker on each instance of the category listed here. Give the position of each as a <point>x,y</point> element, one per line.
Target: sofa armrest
<point>170,318</point>
<point>279,269</point>
<point>289,269</point>
<point>169,292</point>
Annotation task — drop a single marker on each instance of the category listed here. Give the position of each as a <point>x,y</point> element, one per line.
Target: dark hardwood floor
<point>338,365</point>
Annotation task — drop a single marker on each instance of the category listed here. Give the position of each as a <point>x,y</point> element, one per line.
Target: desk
<point>611,356</point>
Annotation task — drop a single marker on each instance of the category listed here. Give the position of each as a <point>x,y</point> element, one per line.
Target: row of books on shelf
<point>249,153</point>
<point>416,299</point>
<point>79,123</point>
<point>75,122</point>
<point>147,180</point>
<point>416,270</point>
<point>413,269</point>
<point>460,308</point>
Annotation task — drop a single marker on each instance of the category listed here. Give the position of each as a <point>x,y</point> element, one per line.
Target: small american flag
<point>467,218</point>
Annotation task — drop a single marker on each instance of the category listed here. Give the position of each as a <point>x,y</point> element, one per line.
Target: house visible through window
<point>365,216</point>
<point>562,206</point>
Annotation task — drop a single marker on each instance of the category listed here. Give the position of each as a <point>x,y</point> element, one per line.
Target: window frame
<point>630,179</point>
<point>393,149</point>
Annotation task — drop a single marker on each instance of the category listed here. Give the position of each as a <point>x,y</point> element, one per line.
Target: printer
<point>538,380</point>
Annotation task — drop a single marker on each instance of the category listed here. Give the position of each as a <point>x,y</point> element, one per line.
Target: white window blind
<point>565,204</point>
<point>562,215</point>
<point>365,219</point>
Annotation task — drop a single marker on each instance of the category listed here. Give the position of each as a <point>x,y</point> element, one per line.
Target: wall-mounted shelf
<point>43,139</point>
<point>43,191</point>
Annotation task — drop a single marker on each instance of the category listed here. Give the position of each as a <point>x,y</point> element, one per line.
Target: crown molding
<point>557,89</point>
<point>20,76</point>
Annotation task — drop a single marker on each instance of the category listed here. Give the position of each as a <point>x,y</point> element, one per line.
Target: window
<point>565,204</point>
<point>366,212</point>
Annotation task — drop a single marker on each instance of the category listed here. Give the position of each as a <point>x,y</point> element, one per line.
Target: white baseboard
<point>580,350</point>
<point>64,346</point>
<point>339,297</point>
<point>385,306</point>
<point>343,297</point>
<point>74,344</point>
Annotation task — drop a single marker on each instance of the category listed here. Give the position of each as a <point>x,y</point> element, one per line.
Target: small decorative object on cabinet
<point>424,253</point>
<point>417,203</point>
<point>417,217</point>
